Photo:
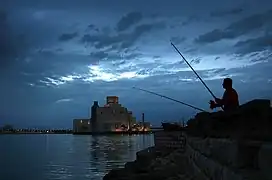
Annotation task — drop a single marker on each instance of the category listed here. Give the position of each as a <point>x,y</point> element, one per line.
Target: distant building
<point>112,117</point>
<point>82,125</point>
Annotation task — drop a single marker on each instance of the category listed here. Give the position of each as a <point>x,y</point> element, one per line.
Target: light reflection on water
<point>66,157</point>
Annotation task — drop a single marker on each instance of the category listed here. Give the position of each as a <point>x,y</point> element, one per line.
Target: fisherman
<point>230,98</point>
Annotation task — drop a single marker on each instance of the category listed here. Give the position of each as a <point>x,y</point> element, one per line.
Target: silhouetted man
<point>230,98</point>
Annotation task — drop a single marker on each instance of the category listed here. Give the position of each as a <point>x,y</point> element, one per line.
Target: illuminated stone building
<point>112,117</point>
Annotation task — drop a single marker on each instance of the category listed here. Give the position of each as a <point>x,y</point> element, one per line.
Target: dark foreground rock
<point>251,120</point>
<point>154,164</point>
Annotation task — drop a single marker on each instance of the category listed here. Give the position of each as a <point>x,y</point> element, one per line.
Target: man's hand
<point>212,104</point>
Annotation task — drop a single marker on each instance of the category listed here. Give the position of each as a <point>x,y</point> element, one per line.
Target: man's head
<point>227,83</point>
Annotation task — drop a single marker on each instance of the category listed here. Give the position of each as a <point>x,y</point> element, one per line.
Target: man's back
<point>230,99</point>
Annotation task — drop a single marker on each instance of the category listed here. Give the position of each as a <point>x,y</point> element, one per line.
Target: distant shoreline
<point>36,133</point>
<point>81,133</point>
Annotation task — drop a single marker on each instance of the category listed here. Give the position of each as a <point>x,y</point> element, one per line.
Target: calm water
<point>48,157</point>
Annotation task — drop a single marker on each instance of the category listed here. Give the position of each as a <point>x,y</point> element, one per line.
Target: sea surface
<point>65,156</point>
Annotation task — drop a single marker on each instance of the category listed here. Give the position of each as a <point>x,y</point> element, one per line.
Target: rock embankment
<point>153,163</point>
<point>232,145</point>
<point>251,120</point>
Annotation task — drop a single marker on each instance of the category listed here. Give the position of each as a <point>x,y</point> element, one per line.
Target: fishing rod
<point>170,99</point>
<point>194,71</point>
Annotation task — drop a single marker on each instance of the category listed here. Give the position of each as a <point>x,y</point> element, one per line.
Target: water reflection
<point>111,152</point>
<point>70,157</point>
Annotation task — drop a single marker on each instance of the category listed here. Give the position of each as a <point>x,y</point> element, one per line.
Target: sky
<point>57,57</point>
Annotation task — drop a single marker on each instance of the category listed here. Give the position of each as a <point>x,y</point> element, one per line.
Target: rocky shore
<point>234,145</point>
<point>153,163</point>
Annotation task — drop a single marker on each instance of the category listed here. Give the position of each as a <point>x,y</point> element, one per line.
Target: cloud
<point>4,30</point>
<point>128,20</point>
<point>178,39</point>
<point>68,36</point>
<point>120,40</point>
<point>190,20</point>
<point>234,11</point>
<point>238,28</point>
<point>195,61</point>
<point>7,47</point>
<point>254,44</point>
<point>99,55</point>
<point>92,27</point>
<point>217,58</point>
<point>63,100</point>
<point>12,45</point>
<point>116,58</point>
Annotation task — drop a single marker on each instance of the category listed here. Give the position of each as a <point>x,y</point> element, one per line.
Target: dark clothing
<point>230,100</point>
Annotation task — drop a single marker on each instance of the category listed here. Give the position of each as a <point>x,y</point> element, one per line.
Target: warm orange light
<point>118,129</point>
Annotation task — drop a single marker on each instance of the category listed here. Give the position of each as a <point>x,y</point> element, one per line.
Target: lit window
<point>81,121</point>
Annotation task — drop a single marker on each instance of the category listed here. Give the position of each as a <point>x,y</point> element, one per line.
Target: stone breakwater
<point>228,159</point>
<point>153,163</point>
<point>200,159</point>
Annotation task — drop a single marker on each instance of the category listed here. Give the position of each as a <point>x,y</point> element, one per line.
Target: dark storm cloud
<point>56,65</point>
<point>195,61</point>
<point>217,58</point>
<point>178,39</point>
<point>7,48</point>
<point>156,57</point>
<point>117,58</point>
<point>190,50</point>
<point>92,27</point>
<point>68,36</point>
<point>128,20</point>
<point>4,30</point>
<point>234,11</point>
<point>190,20</point>
<point>121,40</point>
<point>254,44</point>
<point>12,45</point>
<point>99,54</point>
<point>237,28</point>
